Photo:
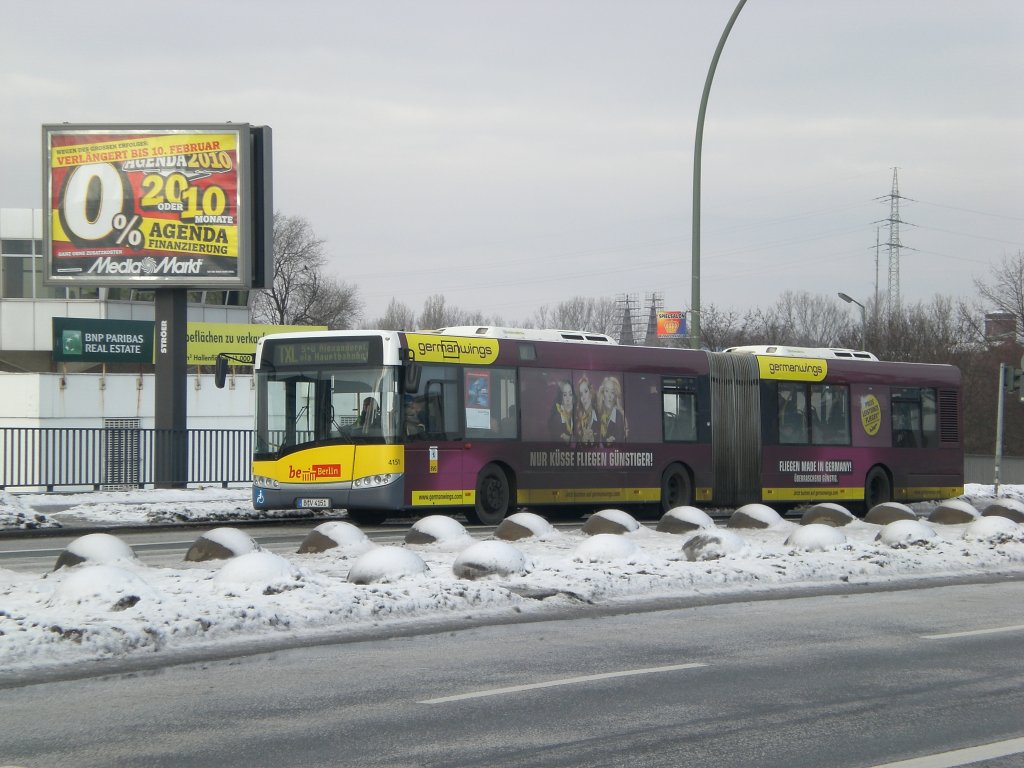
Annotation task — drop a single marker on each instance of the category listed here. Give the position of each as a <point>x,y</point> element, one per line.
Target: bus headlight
<point>265,482</point>
<point>374,481</point>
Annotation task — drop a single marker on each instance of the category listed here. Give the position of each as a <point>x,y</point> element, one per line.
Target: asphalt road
<point>852,681</point>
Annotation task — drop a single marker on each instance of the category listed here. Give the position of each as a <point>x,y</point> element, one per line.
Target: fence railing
<point>111,458</point>
<point>99,458</point>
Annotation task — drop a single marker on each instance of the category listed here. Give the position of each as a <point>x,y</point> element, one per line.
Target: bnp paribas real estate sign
<point>82,340</point>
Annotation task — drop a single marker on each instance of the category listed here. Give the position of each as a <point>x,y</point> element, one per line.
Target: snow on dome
<point>385,564</point>
<point>827,513</point>
<point>610,521</point>
<point>953,511</point>
<point>489,558</point>
<point>438,529</point>
<point>712,545</point>
<point>220,544</point>
<point>1005,507</point>
<point>905,533</point>
<point>889,512</point>
<point>103,585</point>
<point>684,520</point>
<point>263,568</point>
<point>995,529</point>
<point>816,537</point>
<point>96,548</point>
<point>523,525</point>
<point>755,516</point>
<point>338,535</point>
<point>607,548</point>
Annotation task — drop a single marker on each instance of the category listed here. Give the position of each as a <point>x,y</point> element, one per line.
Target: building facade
<point>36,391</point>
<point>27,306</point>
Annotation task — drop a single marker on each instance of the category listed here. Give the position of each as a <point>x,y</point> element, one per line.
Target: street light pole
<point>863,318</point>
<point>697,144</point>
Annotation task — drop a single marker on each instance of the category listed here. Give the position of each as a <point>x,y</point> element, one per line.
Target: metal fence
<point>113,458</point>
<point>981,469</point>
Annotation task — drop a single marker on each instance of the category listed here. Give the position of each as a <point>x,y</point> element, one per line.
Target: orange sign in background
<point>671,324</point>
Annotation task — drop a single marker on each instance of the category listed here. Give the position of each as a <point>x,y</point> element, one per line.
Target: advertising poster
<point>207,340</point>
<point>478,400</point>
<point>671,324</point>
<point>154,205</point>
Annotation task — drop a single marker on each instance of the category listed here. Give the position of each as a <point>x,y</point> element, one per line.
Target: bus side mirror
<point>220,373</point>
<point>413,371</point>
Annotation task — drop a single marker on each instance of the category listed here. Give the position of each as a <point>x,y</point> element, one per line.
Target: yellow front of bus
<point>327,423</point>
<point>331,477</point>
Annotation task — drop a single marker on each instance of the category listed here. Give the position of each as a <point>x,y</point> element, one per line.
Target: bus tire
<point>493,497</point>
<point>676,488</point>
<point>877,488</point>
<point>367,516</point>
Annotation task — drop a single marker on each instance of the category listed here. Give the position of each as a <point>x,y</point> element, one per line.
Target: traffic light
<point>1013,378</point>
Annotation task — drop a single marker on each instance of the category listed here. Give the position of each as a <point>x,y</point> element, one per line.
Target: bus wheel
<point>493,497</point>
<point>877,488</point>
<point>676,490</point>
<point>367,516</point>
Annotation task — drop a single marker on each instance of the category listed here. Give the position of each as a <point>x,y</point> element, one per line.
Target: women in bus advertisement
<point>586,422</point>
<point>612,419</point>
<point>561,419</point>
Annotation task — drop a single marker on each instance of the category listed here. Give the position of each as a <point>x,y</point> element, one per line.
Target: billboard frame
<point>101,240</point>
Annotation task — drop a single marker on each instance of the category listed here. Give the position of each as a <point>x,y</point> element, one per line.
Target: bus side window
<point>679,408</point>
<point>914,417</point>
<point>490,403</point>
<point>830,423</point>
<point>793,416</point>
<point>442,406</point>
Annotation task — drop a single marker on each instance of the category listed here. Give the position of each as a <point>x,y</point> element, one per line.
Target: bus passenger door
<point>433,454</point>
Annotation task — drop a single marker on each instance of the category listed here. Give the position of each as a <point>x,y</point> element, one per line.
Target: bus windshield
<point>298,407</point>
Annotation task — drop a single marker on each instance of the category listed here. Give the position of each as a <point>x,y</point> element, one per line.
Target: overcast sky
<point>514,154</point>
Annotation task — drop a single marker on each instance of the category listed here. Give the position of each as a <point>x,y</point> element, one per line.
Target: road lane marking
<point>973,632</point>
<point>959,757</point>
<point>562,681</point>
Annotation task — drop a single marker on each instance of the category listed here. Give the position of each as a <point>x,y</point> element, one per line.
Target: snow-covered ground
<point>106,605</point>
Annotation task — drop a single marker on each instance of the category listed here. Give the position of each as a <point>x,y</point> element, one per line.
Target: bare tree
<point>805,320</point>
<point>301,292</point>
<point>941,331</point>
<point>438,313</point>
<point>1005,292</point>
<point>397,317</point>
<point>581,313</point>
<point>720,329</point>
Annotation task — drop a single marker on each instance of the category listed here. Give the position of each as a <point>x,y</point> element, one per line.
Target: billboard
<point>156,205</point>
<point>671,324</point>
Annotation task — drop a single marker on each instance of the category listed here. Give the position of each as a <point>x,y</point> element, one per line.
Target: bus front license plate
<point>314,503</point>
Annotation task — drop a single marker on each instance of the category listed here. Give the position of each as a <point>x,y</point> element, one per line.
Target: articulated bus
<point>483,421</point>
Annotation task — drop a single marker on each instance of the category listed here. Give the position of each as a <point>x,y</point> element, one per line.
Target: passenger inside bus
<point>369,416</point>
<point>792,421</point>
<point>415,426</point>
